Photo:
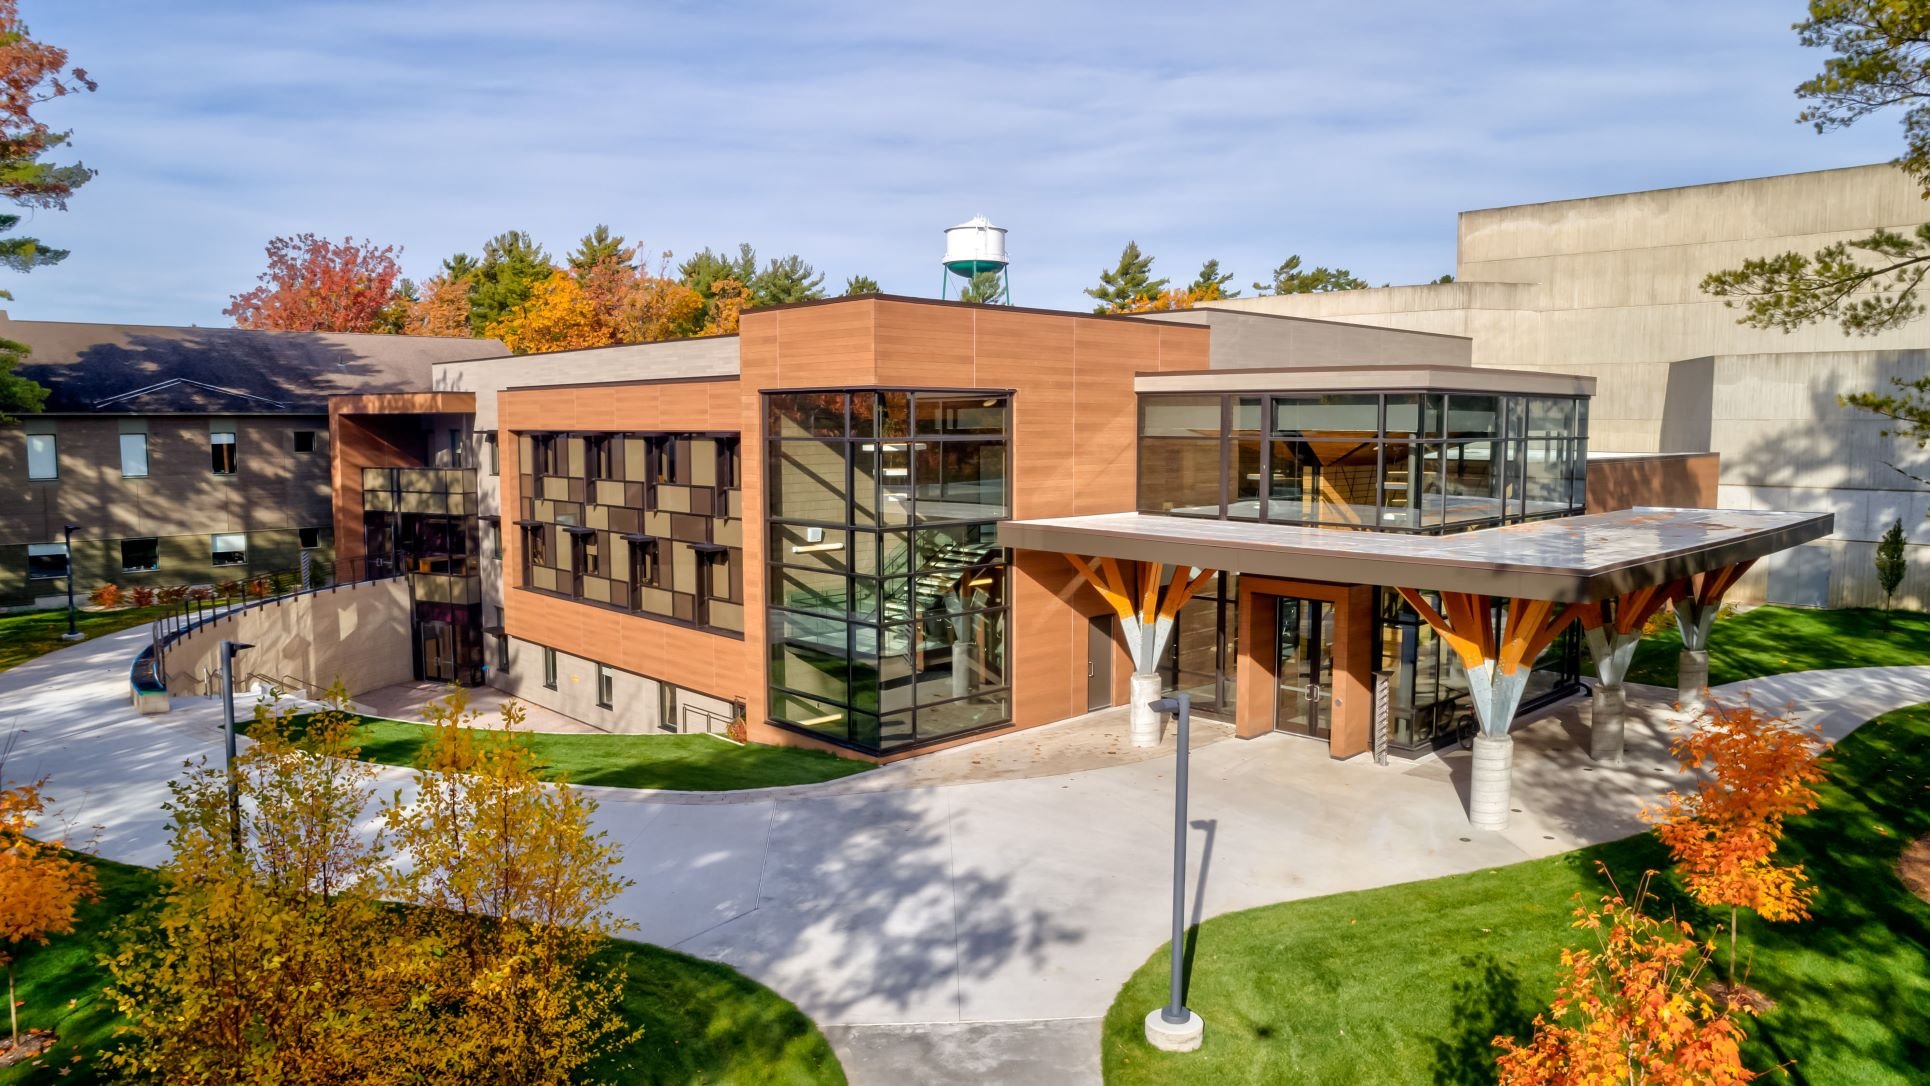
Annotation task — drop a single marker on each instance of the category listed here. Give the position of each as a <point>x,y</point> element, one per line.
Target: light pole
<point>73,628</point>
<point>228,650</point>
<point>1173,1028</point>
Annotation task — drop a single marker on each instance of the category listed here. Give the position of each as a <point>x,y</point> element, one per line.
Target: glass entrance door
<point>439,652</point>
<point>1305,690</point>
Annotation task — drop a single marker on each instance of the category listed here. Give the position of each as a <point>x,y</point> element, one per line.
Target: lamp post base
<point>75,636</point>
<point>1170,1037</point>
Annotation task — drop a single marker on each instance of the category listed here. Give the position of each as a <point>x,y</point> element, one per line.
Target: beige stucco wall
<point>1609,287</point>
<point>1265,341</point>
<point>357,634</point>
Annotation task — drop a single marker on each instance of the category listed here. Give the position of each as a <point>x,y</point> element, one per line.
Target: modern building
<point>886,525</point>
<point>1609,287</point>
<point>182,456</point>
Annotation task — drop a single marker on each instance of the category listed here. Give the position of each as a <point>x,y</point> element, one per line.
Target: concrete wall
<point>638,703</point>
<point>273,493</point>
<point>357,635</point>
<point>1263,341</point>
<point>1609,287</point>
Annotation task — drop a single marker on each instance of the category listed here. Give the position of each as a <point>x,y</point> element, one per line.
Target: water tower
<point>973,249</point>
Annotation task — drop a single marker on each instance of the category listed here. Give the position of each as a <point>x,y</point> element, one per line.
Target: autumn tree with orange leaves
<point>313,284</point>
<point>1758,770</point>
<point>1630,1010</point>
<point>41,885</point>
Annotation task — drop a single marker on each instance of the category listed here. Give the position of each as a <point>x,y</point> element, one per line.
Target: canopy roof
<point>1568,559</point>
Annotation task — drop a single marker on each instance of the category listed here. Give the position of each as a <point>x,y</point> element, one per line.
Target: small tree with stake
<point>1760,769</point>
<point>41,885</point>
<point>1890,564</point>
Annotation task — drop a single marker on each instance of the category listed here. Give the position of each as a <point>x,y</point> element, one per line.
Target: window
<point>46,560</point>
<point>494,530</point>
<point>549,668</point>
<point>455,449</point>
<point>229,548</point>
<point>606,685</point>
<point>139,555</point>
<point>495,453</point>
<point>502,653</point>
<point>133,456</point>
<point>43,458</point>
<point>223,447</point>
<point>304,441</point>
<point>311,538</point>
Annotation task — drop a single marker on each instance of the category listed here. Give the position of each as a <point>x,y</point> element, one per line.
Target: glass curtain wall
<point>887,587</point>
<point>1386,461</point>
<point>1428,688</point>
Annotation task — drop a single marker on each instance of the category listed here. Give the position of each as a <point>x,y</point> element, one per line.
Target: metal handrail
<point>148,672</point>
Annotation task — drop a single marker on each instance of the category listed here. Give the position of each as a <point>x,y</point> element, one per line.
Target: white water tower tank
<point>973,248</point>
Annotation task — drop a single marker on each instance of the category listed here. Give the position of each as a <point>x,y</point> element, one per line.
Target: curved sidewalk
<point>956,907</point>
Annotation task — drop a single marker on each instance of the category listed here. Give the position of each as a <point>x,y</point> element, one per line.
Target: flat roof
<point>1389,378</point>
<point>1567,559</point>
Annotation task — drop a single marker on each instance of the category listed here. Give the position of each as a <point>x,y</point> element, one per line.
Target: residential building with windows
<point>885,525</point>
<point>181,455</point>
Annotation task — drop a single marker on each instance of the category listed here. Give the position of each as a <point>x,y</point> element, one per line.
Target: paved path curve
<point>998,918</point>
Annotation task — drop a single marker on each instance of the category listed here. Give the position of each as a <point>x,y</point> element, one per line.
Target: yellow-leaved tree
<point>557,316</point>
<point>41,885</point>
<point>512,889</point>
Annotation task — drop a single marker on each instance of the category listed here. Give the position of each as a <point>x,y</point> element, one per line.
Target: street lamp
<point>73,628</point>
<point>1174,1028</point>
<point>228,651</point>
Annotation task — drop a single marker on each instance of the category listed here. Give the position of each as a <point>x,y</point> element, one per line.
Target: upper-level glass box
<point>1393,461</point>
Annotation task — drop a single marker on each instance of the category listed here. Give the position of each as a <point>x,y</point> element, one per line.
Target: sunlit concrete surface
<point>937,899</point>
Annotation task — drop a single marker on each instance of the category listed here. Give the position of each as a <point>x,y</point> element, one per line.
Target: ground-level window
<point>43,456</point>
<point>311,538</point>
<point>222,445</point>
<point>133,456</point>
<point>229,548</point>
<point>304,441</point>
<point>502,653</point>
<point>140,555</point>
<point>606,685</point>
<point>46,560</point>
<point>549,668</point>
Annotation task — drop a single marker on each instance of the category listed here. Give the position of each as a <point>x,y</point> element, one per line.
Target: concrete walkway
<point>968,932</point>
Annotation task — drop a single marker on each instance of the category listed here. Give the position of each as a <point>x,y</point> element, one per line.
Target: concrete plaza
<point>942,927</point>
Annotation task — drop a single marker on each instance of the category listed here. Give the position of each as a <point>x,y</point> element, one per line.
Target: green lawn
<point>29,634</point>
<point>695,763</point>
<point>703,1022</point>
<point>1775,640</point>
<point>1407,984</point>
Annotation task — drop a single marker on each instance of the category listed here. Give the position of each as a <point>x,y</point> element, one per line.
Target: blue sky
<point>852,134</point>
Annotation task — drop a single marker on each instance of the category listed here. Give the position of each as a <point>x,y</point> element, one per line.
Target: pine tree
<point>597,247</point>
<point>784,280</point>
<point>1129,285</point>
<point>1288,278</point>
<point>860,284</point>
<point>17,394</point>
<point>512,264</point>
<point>33,72</point>
<point>1890,562</point>
<point>1211,283</point>
<point>985,288</point>
<point>704,269</point>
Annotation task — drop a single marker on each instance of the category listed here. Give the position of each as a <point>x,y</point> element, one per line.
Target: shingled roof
<point>131,369</point>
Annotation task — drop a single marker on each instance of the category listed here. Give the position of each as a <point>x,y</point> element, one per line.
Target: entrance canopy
<point>1566,560</point>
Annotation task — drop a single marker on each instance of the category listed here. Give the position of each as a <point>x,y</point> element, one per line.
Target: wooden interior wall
<point>1351,724</point>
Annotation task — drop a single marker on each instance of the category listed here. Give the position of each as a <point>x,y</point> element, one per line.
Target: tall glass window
<point>888,624</point>
<point>43,456</point>
<point>1384,461</point>
<point>133,456</point>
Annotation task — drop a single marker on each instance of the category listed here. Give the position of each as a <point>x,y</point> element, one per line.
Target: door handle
<point>1089,669</point>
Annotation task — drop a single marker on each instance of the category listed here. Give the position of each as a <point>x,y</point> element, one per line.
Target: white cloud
<point>854,134</point>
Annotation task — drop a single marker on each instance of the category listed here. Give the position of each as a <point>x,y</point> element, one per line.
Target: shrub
<point>107,595</point>
<point>173,593</point>
<point>228,590</point>
<point>261,588</point>
<point>141,595</point>
<point>200,592</point>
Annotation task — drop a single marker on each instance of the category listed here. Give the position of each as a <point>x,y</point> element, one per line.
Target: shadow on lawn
<point>1490,1003</point>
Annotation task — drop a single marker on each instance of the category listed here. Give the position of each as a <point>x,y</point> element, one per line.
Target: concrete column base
<point>1170,1037</point>
<point>1608,723</point>
<point>1144,690</point>
<point>1692,678</point>
<point>1491,790</point>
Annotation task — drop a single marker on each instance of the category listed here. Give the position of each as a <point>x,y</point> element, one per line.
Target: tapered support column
<point>1147,603</point>
<point>1497,658</point>
<point>1695,618</point>
<point>1612,627</point>
<point>1145,722</point>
